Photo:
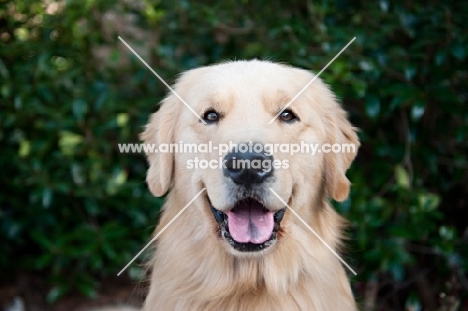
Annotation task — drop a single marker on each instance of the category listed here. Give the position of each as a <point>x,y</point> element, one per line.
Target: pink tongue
<point>249,223</point>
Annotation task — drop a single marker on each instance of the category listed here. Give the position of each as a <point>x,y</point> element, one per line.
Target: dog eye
<point>211,116</point>
<point>288,116</point>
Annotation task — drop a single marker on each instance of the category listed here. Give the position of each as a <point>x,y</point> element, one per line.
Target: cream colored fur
<point>194,269</point>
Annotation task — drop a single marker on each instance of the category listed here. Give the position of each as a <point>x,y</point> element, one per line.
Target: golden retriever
<point>237,246</point>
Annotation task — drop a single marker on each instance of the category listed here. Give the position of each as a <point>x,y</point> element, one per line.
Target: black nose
<point>248,168</point>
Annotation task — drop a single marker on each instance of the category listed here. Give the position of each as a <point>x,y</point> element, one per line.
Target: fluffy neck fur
<point>192,271</point>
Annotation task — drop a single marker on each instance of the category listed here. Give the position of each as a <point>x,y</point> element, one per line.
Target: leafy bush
<point>74,206</point>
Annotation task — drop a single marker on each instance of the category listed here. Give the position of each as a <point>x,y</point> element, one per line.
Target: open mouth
<point>249,226</point>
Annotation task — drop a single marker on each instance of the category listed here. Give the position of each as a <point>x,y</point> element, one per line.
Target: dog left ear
<point>339,131</point>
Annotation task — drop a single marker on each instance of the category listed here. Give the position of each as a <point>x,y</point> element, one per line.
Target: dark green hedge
<point>73,206</point>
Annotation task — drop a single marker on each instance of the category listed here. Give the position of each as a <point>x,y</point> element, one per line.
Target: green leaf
<point>402,177</point>
<point>428,202</point>
<point>68,142</point>
<point>24,148</point>
<point>122,119</point>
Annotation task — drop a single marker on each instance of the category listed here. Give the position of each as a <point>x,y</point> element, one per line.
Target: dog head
<point>250,172</point>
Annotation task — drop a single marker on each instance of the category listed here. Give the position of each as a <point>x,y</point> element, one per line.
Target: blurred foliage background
<point>76,210</point>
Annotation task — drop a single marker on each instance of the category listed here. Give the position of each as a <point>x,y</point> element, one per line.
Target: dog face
<point>237,101</point>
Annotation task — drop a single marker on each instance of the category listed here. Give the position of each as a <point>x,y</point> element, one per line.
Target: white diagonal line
<point>162,230</point>
<point>313,231</point>
<point>308,84</point>
<point>162,80</point>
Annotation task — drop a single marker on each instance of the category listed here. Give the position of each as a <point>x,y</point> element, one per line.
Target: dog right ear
<point>160,130</point>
